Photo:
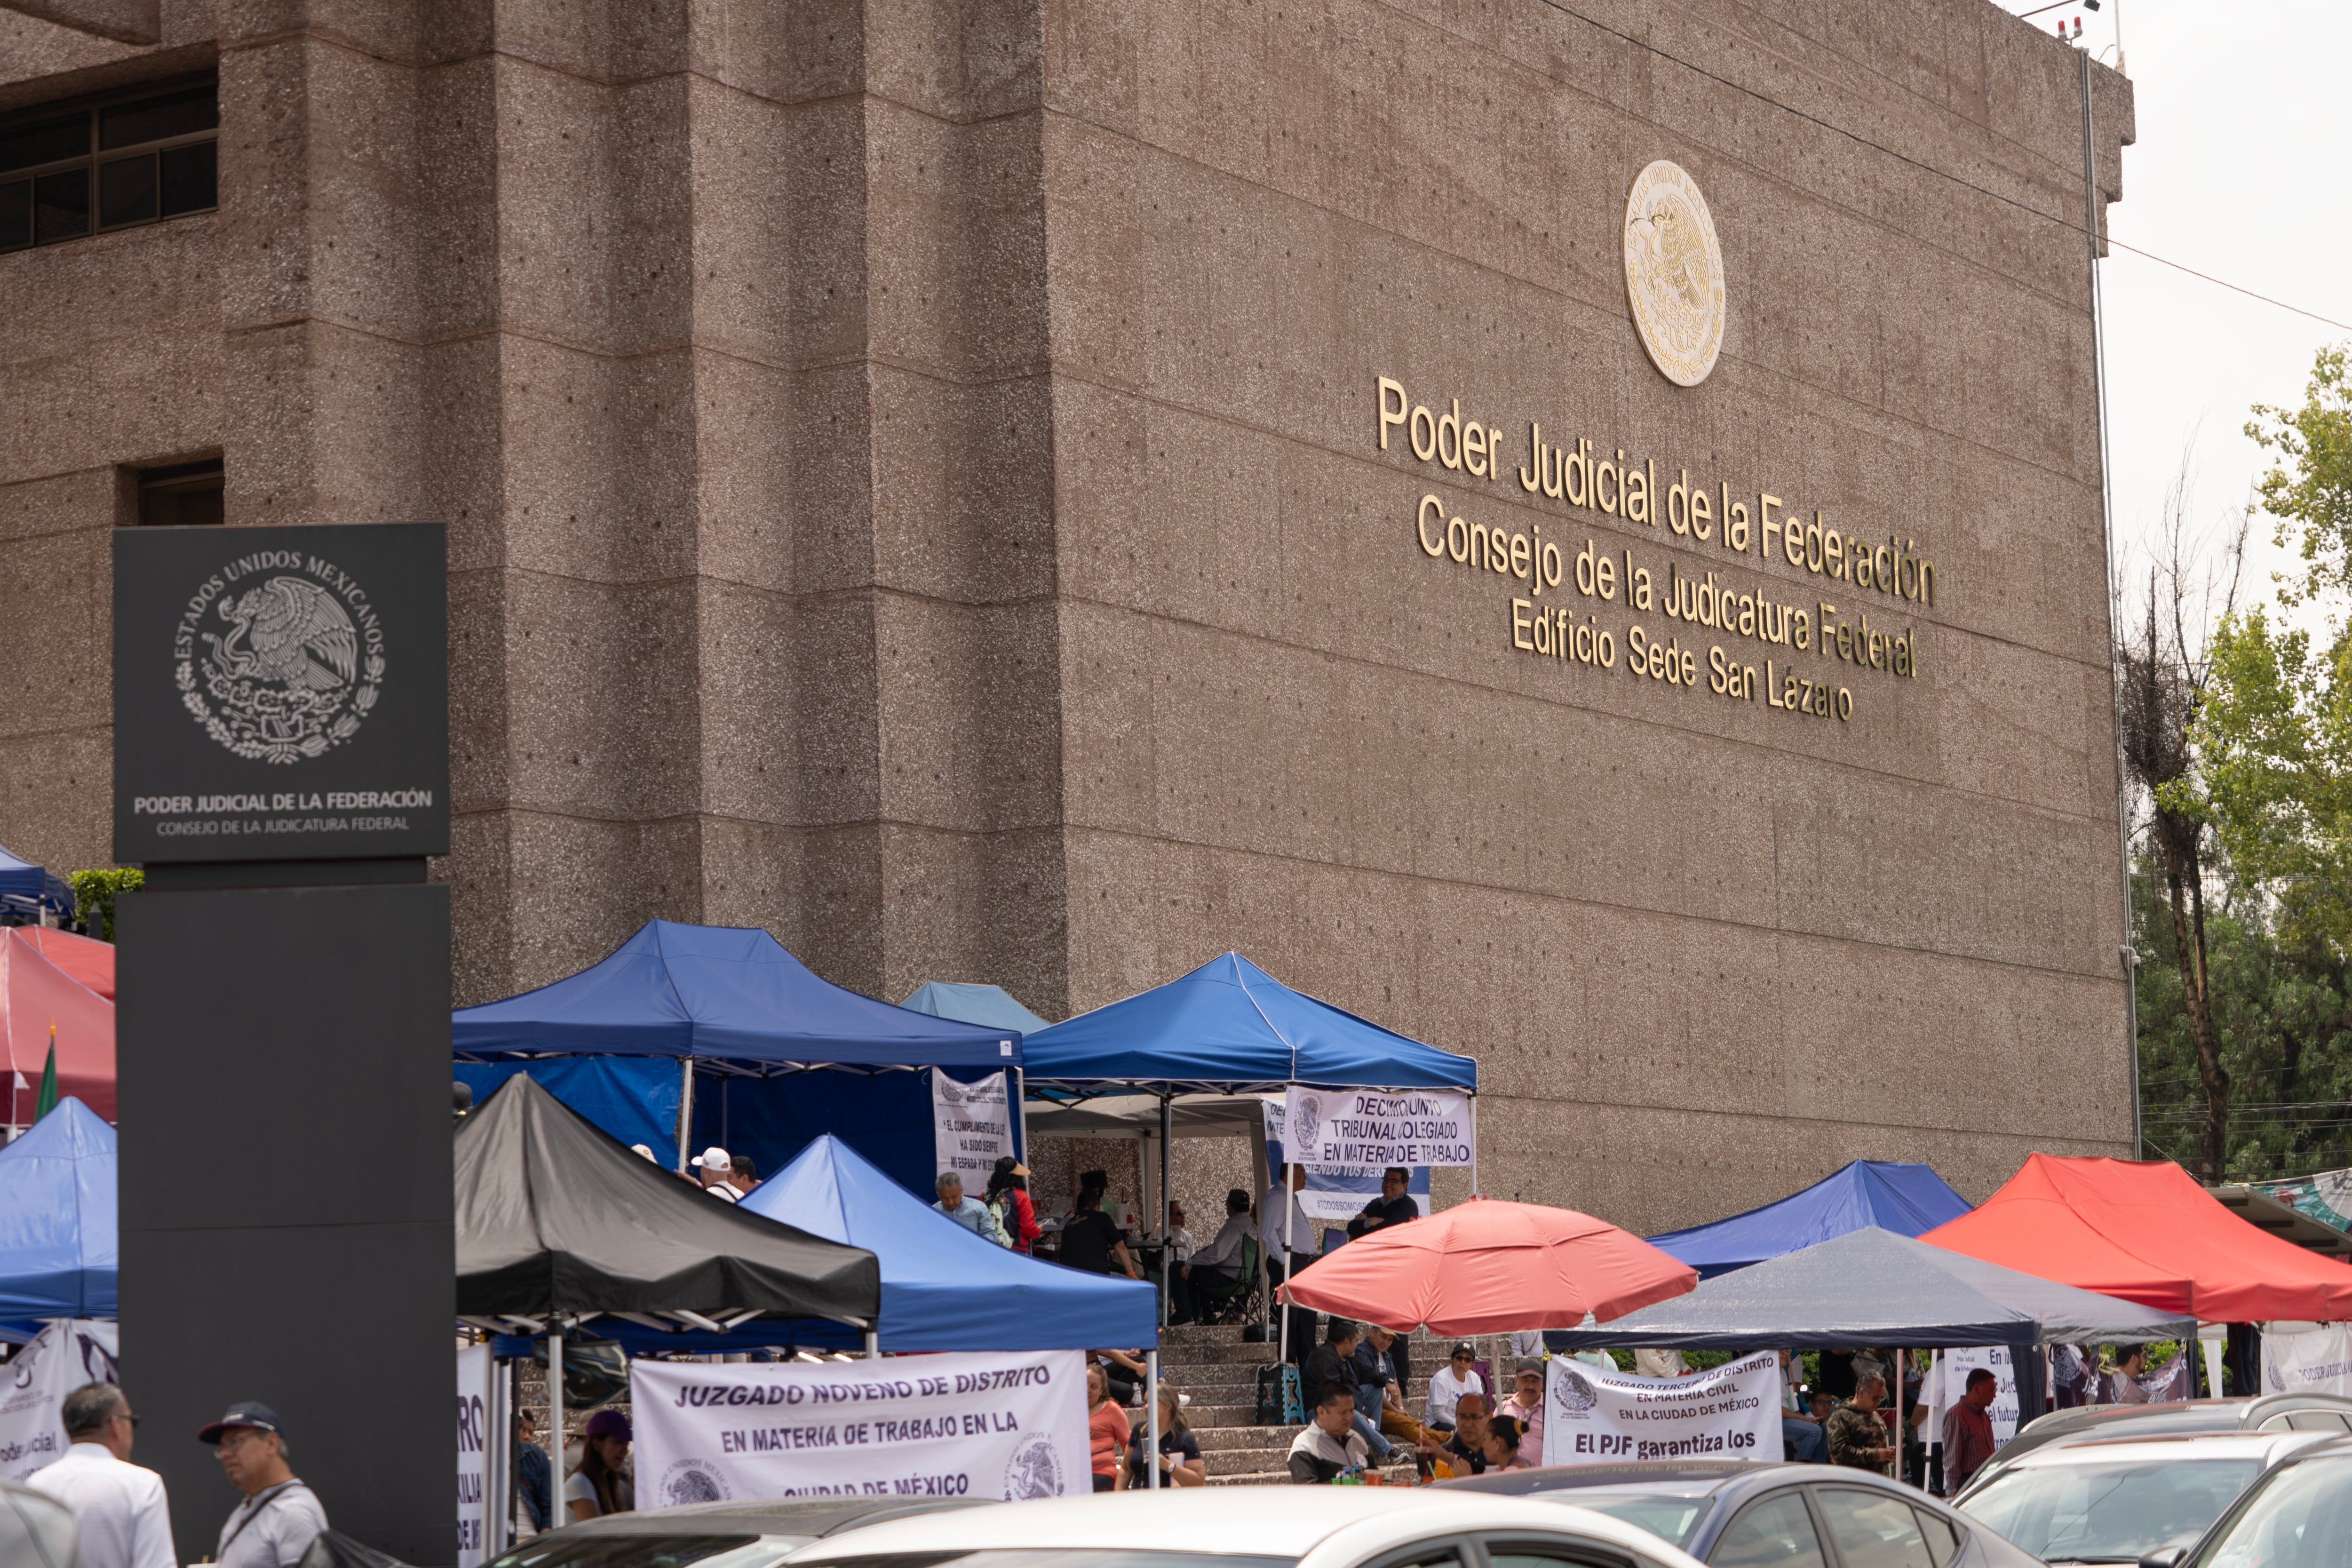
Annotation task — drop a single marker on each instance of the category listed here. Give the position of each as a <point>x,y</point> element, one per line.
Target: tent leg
<point>556,1511</point>
<point>1473,1146</point>
<point>1020,1115</point>
<point>685,1110</point>
<point>873,1345</point>
<point>498,1432</point>
<point>1151,1400</point>
<point>1289,1206</point>
<point>1167,1240</point>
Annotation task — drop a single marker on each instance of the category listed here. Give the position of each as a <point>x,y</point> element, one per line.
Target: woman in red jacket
<point>1008,1197</point>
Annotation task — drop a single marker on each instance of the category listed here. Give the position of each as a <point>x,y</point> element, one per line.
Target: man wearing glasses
<point>279,1516</point>
<point>117,1506</point>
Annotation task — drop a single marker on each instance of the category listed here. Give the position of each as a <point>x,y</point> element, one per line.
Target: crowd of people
<point>122,1510</point>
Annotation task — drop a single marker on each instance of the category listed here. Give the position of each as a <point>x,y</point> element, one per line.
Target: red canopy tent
<point>87,959</point>
<point>33,994</point>
<point>1488,1266</point>
<point>2148,1233</point>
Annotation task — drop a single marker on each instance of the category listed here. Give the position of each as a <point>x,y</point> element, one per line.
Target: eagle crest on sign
<point>289,677</point>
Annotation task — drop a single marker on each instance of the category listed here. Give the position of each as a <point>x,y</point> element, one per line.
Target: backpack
<point>1278,1402</point>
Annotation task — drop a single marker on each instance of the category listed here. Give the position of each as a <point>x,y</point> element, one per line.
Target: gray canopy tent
<point>1873,1288</point>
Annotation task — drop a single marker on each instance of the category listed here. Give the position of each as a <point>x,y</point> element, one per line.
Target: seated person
<point>1180,1464</point>
<point>1091,1241</point>
<point>1526,1405</point>
<point>1219,1263</point>
<point>1449,1383</point>
<point>1393,1206</point>
<point>1382,1377</point>
<point>1332,1361</point>
<point>1330,1444</point>
<point>1465,1451</point>
<point>1123,1374</point>
<point>1503,1446</point>
<point>1801,1432</point>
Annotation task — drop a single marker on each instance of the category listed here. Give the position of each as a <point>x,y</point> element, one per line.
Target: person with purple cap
<point>597,1486</point>
<point>279,1516</point>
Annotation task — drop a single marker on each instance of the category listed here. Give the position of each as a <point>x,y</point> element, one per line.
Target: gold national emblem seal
<point>1673,273</point>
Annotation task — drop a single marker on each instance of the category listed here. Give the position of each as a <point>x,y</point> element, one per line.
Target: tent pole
<point>1020,1115</point>
<point>873,1345</point>
<point>685,1110</point>
<point>1151,1400</point>
<point>497,1463</point>
<point>555,1509</point>
<point>1289,1204</point>
<point>1167,1249</point>
<point>1474,1147</point>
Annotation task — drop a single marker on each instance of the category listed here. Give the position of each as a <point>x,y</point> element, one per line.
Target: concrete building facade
<point>938,480</point>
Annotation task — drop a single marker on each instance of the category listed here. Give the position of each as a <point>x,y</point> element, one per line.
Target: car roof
<point>812,1518</point>
<point>2164,1445</point>
<point>1687,1478</point>
<point>1284,1522</point>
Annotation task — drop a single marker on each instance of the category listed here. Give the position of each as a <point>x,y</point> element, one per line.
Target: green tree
<point>94,894</point>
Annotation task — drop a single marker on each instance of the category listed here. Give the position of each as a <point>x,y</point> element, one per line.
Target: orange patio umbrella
<point>35,995</point>
<point>1488,1266</point>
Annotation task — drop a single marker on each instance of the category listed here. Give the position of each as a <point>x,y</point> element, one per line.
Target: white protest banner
<point>2317,1360</point>
<point>1948,1380</point>
<point>1333,1193</point>
<point>1374,1126</point>
<point>66,1354</point>
<point>474,1367</point>
<point>981,1426</point>
<point>972,1125</point>
<point>1732,1412</point>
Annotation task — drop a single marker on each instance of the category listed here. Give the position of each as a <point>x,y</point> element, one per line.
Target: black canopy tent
<point>1873,1288</point>
<point>558,1222</point>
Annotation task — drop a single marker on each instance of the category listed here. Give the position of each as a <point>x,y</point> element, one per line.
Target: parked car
<point>1257,1527</point>
<point>1732,1513</point>
<point>35,1529</point>
<point>2268,1413</point>
<point>2118,1499</point>
<point>2297,1516</point>
<point>747,1534</point>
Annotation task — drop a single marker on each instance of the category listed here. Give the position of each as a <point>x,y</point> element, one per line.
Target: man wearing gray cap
<point>279,1516</point>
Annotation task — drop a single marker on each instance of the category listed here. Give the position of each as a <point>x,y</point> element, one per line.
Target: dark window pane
<point>1873,1529</point>
<point>46,142</point>
<point>15,214</point>
<point>188,183</point>
<point>61,205</point>
<point>152,119</point>
<point>1774,1534</point>
<point>126,190</point>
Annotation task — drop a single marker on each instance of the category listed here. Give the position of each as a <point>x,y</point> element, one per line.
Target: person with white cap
<point>279,1516</point>
<point>117,1506</point>
<point>717,1170</point>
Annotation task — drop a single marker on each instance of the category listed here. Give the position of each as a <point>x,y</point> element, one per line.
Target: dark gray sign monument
<point>281,769</point>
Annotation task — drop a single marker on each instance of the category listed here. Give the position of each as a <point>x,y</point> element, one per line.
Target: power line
<point>1860,140</point>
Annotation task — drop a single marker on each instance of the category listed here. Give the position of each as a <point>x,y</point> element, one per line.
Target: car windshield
<point>2109,1511</point>
<point>1672,1519</point>
<point>672,1550</point>
<point>2299,1517</point>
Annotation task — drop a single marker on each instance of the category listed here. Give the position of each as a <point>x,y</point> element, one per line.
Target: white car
<point>1257,1527</point>
<point>2116,1500</point>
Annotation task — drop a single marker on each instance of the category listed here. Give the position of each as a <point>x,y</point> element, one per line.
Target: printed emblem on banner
<point>1033,1471</point>
<point>693,1480</point>
<point>2334,1189</point>
<point>1673,273</point>
<point>1310,1122</point>
<point>1571,1392</point>
<point>296,662</point>
<point>2278,1384</point>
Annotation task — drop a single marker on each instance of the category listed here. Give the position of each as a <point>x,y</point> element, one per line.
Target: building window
<point>113,163</point>
<point>181,494</point>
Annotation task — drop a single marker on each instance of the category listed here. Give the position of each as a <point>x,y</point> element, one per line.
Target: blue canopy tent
<point>1227,1028</point>
<point>991,1005</point>
<point>58,1244</point>
<point>1894,1195</point>
<point>943,1288</point>
<point>685,1036</point>
<point>26,888</point>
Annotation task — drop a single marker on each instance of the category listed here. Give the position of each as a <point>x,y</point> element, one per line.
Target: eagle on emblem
<point>293,633</point>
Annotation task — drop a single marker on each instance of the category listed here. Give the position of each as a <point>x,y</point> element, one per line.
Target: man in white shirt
<point>279,1516</point>
<point>718,1172</point>
<point>117,1506</point>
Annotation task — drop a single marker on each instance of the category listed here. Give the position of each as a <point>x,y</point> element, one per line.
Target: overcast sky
<point>2244,169</point>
